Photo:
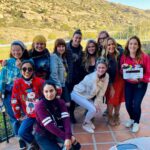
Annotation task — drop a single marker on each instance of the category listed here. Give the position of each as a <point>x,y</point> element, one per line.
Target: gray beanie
<point>20,43</point>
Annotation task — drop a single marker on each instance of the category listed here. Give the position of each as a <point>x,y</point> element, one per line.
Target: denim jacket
<point>57,70</point>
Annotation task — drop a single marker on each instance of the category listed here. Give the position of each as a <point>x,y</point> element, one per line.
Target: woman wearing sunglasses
<point>25,94</point>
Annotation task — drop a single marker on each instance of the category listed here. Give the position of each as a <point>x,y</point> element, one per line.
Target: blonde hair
<point>116,52</point>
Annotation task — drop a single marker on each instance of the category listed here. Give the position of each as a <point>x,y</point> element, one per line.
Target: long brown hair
<point>139,50</point>
<point>86,58</point>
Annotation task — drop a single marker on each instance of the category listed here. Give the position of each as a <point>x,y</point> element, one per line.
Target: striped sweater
<point>52,116</point>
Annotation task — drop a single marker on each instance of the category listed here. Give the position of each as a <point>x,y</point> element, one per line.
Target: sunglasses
<point>24,69</point>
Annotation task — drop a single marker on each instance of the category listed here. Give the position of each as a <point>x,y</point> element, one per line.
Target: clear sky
<point>142,4</point>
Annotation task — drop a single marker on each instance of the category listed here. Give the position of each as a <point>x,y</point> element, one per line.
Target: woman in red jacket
<point>25,94</point>
<point>135,88</point>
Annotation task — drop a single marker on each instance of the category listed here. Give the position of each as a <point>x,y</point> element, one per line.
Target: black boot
<point>71,111</point>
<point>22,144</point>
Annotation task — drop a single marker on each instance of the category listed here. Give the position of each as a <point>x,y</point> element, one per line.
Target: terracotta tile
<point>145,110</point>
<point>142,133</point>
<point>78,128</point>
<point>87,147</point>
<point>99,119</point>
<point>102,134</point>
<point>104,146</point>
<point>145,125</point>
<point>103,137</point>
<point>84,138</point>
<point>121,135</point>
<point>101,127</point>
<point>120,127</point>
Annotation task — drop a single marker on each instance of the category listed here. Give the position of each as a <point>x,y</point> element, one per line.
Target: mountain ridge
<point>65,16</point>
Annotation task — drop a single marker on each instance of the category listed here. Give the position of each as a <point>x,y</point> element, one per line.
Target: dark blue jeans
<point>46,142</point>
<point>8,107</point>
<point>134,94</point>
<point>25,130</point>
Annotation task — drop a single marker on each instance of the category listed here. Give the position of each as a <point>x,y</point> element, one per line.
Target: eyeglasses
<point>102,38</point>
<point>24,69</point>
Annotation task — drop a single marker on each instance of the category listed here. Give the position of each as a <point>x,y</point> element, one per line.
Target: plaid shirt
<point>8,74</point>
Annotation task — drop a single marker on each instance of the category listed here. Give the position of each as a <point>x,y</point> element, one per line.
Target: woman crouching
<point>92,87</point>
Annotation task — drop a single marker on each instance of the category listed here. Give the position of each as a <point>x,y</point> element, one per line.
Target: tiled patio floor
<point>105,136</point>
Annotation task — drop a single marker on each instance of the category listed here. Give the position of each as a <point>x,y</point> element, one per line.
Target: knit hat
<point>39,38</point>
<point>30,61</point>
<point>78,31</point>
<point>20,43</point>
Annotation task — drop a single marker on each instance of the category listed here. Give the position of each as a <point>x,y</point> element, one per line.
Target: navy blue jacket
<point>74,60</point>
<point>41,62</point>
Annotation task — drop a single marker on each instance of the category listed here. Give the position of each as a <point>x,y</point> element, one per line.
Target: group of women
<point>40,90</point>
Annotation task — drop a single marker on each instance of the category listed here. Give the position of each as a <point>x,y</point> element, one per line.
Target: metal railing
<point>5,127</point>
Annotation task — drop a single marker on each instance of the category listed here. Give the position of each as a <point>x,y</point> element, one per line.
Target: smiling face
<point>101,38</point>
<point>16,51</point>
<point>101,69</point>
<point>76,40</point>
<point>49,92</point>
<point>39,46</point>
<point>133,46</point>
<point>61,49</point>
<point>27,70</point>
<point>110,46</point>
<point>91,48</point>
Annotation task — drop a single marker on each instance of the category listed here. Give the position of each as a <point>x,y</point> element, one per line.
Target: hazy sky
<point>142,4</point>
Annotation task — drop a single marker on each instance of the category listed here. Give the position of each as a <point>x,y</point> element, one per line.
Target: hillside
<point>25,18</point>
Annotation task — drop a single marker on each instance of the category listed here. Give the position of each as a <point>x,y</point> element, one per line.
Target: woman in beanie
<point>26,93</point>
<point>74,58</point>
<point>9,72</point>
<point>41,57</point>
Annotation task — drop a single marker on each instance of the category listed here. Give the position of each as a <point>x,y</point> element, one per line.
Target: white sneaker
<point>87,127</point>
<point>92,125</point>
<point>129,123</point>
<point>135,127</point>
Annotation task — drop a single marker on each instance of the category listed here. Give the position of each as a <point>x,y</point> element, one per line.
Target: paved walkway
<point>105,136</point>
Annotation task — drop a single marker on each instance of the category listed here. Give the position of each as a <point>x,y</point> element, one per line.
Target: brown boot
<point>111,120</point>
<point>116,119</point>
